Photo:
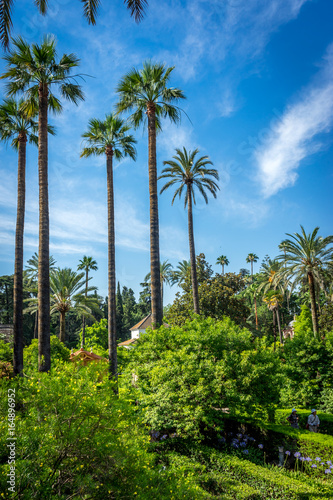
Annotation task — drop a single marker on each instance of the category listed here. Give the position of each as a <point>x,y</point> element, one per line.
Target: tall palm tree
<point>188,173</point>
<point>307,256</point>
<point>90,8</point>
<point>166,276</point>
<point>31,280</point>
<point>17,126</point>
<point>146,94</point>
<point>110,138</point>
<point>86,264</point>
<point>223,261</point>
<point>252,257</point>
<point>34,70</point>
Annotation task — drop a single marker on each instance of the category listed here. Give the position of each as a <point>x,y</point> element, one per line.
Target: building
<point>136,331</point>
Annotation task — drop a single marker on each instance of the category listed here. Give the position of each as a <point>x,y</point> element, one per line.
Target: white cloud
<point>293,137</point>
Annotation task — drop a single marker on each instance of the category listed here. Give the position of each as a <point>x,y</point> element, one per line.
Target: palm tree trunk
<point>192,252</point>
<point>36,326</point>
<point>83,317</point>
<point>252,269</point>
<point>18,272</point>
<point>62,333</point>
<point>279,325</point>
<point>44,355</point>
<point>112,324</point>
<point>274,329</point>
<point>313,305</point>
<point>222,269</point>
<point>156,305</point>
<point>256,311</point>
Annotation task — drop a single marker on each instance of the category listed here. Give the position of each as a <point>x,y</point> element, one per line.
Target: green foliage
<point>58,352</point>
<point>6,351</point>
<point>97,336</point>
<point>327,401</point>
<point>77,439</point>
<point>303,323</point>
<point>308,369</point>
<point>326,318</point>
<point>187,375</point>
<point>217,298</point>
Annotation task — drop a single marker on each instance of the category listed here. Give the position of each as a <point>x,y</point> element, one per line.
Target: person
<point>313,421</point>
<point>293,419</point>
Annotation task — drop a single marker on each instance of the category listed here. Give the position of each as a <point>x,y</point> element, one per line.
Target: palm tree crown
<point>252,257</point>
<point>141,91</point>
<point>90,10</point>
<point>31,68</point>
<point>109,137</point>
<point>223,261</point>
<point>187,172</point>
<point>16,124</point>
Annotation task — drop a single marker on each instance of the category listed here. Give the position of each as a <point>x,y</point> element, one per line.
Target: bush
<point>6,352</point>
<point>326,420</point>
<point>96,337</point>
<point>187,376</point>
<point>59,352</point>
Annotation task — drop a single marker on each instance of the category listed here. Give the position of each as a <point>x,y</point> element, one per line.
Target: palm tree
<point>252,257</point>
<point>307,256</point>
<point>31,274</point>
<point>90,7</point>
<point>187,172</point>
<point>223,261</point>
<point>17,126</point>
<point>182,270</point>
<point>145,92</point>
<point>86,264</point>
<point>34,70</point>
<point>166,276</point>
<point>110,138</point>
<point>273,299</point>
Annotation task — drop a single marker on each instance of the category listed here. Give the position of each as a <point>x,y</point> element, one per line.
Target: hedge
<point>326,419</point>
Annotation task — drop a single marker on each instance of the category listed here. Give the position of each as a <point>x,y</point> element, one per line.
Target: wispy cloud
<point>294,136</point>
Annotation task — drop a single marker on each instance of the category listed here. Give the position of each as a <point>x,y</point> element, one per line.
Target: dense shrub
<point>6,351</point>
<point>96,337</point>
<point>186,376</point>
<point>58,352</point>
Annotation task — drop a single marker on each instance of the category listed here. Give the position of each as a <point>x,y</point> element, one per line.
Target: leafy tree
<point>90,10</point>
<point>86,264</point>
<point>187,374</point>
<point>110,137</point>
<point>131,314</point>
<point>218,297</point>
<point>306,256</point>
<point>326,318</point>
<point>34,70</point>
<point>144,304</point>
<point>223,261</point>
<point>244,272</point>
<point>186,172</point>
<point>251,258</point>
<point>145,92</point>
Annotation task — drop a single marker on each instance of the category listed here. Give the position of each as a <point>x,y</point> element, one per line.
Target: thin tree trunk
<point>7,302</point>
<point>256,311</point>
<point>156,305</point>
<point>83,341</point>
<point>112,324</point>
<point>274,329</point>
<point>222,269</point>
<point>252,269</point>
<point>192,252</point>
<point>313,305</point>
<point>279,325</point>
<point>62,333</point>
<point>44,355</point>
<point>36,326</point>
<point>18,272</point>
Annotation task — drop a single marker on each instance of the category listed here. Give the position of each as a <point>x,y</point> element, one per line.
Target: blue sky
<point>258,77</point>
